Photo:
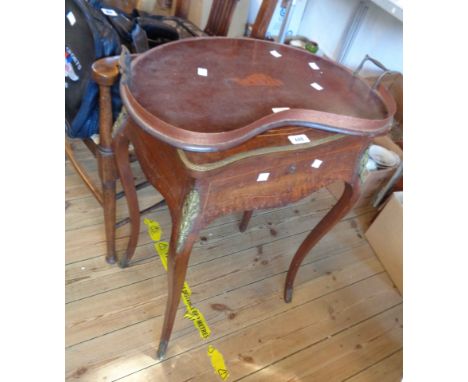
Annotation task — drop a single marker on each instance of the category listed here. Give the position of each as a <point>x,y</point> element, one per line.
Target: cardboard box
<point>373,180</point>
<point>385,235</point>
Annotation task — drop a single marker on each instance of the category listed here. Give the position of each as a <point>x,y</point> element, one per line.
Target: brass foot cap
<point>111,259</point>
<point>288,295</point>
<point>162,350</point>
<point>123,263</point>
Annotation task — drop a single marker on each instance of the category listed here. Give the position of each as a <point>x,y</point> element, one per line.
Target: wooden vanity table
<point>224,125</point>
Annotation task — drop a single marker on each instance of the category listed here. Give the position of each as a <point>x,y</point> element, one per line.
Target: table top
<point>206,94</point>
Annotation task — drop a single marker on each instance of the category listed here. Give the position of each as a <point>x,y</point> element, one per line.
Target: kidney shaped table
<point>221,125</point>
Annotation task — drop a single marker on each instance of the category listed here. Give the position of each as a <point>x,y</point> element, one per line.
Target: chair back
<point>262,21</point>
<point>182,8</point>
<point>220,17</point>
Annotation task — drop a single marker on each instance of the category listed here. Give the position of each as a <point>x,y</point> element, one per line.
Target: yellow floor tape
<point>154,229</point>
<point>217,361</point>
<point>192,313</point>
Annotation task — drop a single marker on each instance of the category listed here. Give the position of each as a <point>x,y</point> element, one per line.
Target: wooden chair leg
<point>245,220</point>
<point>107,173</point>
<point>106,195</point>
<point>120,145</point>
<point>341,208</point>
<point>185,229</point>
<point>81,171</point>
<point>107,170</point>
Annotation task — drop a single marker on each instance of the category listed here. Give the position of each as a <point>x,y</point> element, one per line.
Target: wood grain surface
<point>344,323</point>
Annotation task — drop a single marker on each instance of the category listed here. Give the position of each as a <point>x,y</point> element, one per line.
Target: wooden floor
<point>344,323</point>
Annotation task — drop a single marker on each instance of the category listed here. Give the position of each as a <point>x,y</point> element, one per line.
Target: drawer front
<point>278,179</point>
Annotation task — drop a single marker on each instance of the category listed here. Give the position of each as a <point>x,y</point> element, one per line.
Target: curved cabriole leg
<point>245,220</point>
<point>185,229</point>
<point>341,208</point>
<point>120,145</point>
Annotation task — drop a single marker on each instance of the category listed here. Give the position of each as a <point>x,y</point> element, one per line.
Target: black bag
<point>129,26</point>
<point>92,31</point>
<point>159,29</point>
<point>88,36</point>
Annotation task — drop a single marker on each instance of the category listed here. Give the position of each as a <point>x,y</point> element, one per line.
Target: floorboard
<point>344,323</point>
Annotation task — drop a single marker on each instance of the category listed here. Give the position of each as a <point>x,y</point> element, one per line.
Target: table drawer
<point>277,179</point>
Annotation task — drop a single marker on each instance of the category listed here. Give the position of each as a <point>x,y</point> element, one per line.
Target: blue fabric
<point>106,43</point>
